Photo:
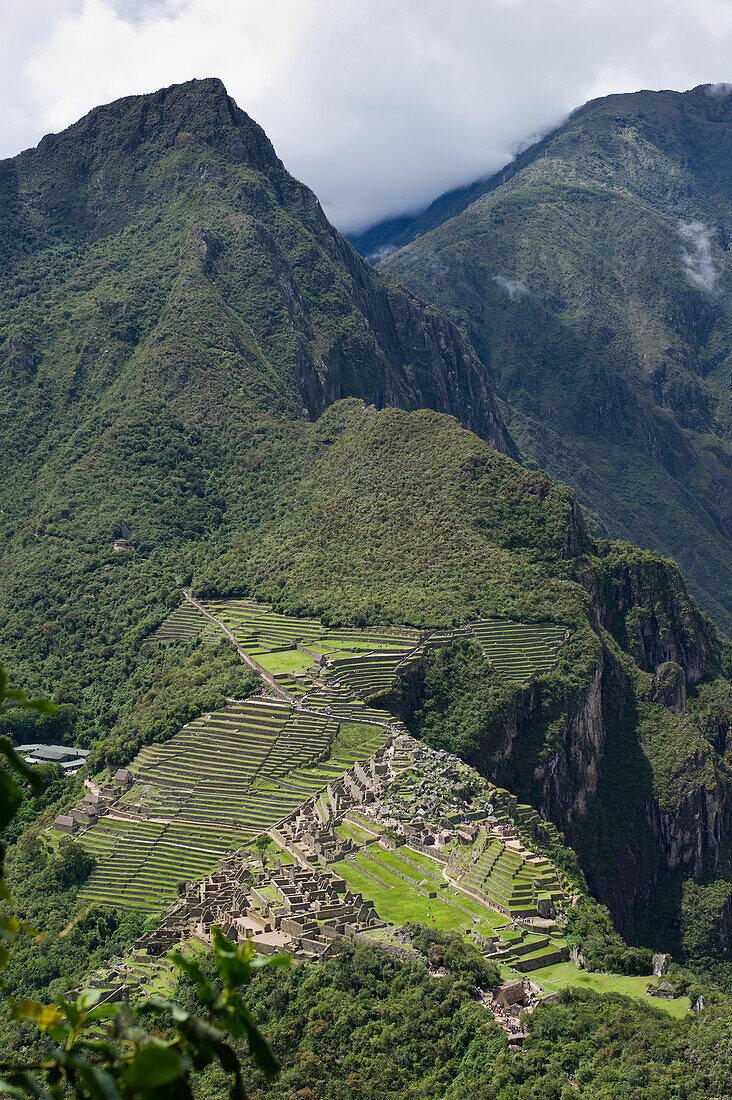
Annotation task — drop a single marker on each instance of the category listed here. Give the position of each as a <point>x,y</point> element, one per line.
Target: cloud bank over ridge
<point>377,106</point>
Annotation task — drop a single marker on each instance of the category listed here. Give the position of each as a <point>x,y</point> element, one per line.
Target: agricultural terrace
<point>519,651</point>
<point>308,660</point>
<point>228,776</point>
<point>408,884</point>
<point>512,880</point>
<point>215,785</point>
<point>181,625</point>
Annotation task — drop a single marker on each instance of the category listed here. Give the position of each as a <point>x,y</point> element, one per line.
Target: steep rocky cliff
<point>630,762</point>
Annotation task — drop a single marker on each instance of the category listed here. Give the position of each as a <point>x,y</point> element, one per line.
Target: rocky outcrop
<point>592,776</point>
<point>641,599</point>
<point>669,687</point>
<point>567,780</point>
<point>690,836</point>
<point>20,359</point>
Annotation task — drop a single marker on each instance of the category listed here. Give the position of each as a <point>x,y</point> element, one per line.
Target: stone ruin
<point>297,909</point>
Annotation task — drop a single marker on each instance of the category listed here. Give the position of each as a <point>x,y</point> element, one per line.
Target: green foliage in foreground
<point>45,887</point>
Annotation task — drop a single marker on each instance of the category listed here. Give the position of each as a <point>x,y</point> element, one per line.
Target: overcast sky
<point>378,105</point>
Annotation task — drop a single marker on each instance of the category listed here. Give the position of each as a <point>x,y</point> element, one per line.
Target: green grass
<point>351,735</point>
<point>355,832</point>
<point>560,975</point>
<point>289,660</point>
<point>392,859</point>
<point>403,904</point>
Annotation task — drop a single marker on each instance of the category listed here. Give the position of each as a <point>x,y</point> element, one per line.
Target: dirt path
<point>265,675</point>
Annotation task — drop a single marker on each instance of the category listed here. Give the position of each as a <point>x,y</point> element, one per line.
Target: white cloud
<point>697,259</point>
<point>381,253</point>
<point>719,91</point>
<point>515,288</point>
<point>378,106</point>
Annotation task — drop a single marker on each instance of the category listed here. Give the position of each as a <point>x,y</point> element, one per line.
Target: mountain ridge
<point>400,230</point>
<point>592,281</point>
<point>123,166</point>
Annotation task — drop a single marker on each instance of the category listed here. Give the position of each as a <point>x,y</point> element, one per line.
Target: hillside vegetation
<point>592,277</point>
<point>193,372</point>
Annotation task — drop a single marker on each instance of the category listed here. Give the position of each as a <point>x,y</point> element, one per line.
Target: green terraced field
<point>230,775</point>
<point>182,624</point>
<point>365,662</point>
<point>340,703</point>
<point>399,901</point>
<point>511,882</point>
<point>219,782</point>
<point>516,650</point>
<point>364,674</point>
<point>259,629</point>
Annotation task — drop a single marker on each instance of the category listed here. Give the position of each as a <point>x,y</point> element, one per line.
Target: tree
<point>262,844</point>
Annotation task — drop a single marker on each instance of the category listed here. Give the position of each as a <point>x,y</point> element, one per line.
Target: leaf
<point>28,1086</point>
<point>260,1050</point>
<point>154,1004</point>
<point>87,999</point>
<point>18,764</point>
<point>188,967</point>
<point>232,961</point>
<point>99,1083</point>
<point>69,1009</point>
<point>47,1017</point>
<point>281,960</point>
<point>11,797</point>
<point>11,1090</point>
<point>153,1065</point>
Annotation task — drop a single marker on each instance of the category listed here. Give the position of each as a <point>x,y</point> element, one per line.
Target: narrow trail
<point>297,702</point>
<point>268,678</point>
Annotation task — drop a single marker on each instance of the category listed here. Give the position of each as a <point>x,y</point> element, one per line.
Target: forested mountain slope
<point>157,255</point>
<point>592,277</point>
<point>181,327</point>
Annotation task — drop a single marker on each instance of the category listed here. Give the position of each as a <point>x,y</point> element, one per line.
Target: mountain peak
<point>196,112</point>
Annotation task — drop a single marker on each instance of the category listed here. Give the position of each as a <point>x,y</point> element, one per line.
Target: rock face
<point>596,782</point>
<point>660,964</point>
<point>690,836</point>
<point>669,687</point>
<point>645,606</point>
